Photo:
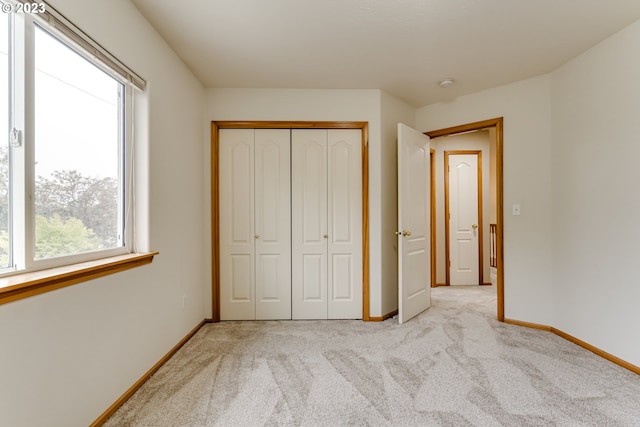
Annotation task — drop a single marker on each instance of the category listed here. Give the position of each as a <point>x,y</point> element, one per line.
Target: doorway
<point>496,125</point>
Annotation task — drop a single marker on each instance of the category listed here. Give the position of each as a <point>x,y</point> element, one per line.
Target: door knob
<point>406,233</point>
<point>257,236</point>
<point>474,226</point>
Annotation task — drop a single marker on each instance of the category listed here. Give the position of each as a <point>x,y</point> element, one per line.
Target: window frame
<point>22,262</point>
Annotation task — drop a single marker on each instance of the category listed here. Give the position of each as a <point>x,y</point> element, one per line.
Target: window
<point>78,129</point>
<point>4,149</point>
<point>65,118</point>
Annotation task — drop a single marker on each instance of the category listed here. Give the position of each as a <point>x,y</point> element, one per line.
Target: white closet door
<point>272,224</point>
<point>309,223</point>
<point>344,272</point>
<point>236,172</point>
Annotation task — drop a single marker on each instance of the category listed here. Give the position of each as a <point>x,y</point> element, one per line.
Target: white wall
<point>394,111</point>
<point>67,355</point>
<point>311,105</point>
<point>596,202</point>
<point>468,141</point>
<point>525,106</point>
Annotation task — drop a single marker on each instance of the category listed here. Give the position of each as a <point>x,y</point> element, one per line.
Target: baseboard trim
<point>444,284</point>
<point>118,403</point>
<point>610,357</point>
<point>382,318</point>
<point>528,325</point>
<point>595,350</point>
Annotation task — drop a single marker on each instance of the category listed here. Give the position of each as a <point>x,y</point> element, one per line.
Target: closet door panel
<point>313,279</point>
<point>240,278</point>
<point>345,224</point>
<point>237,298</point>
<point>309,224</point>
<point>272,224</point>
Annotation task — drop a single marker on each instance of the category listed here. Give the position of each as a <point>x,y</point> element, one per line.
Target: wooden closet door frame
<point>215,197</point>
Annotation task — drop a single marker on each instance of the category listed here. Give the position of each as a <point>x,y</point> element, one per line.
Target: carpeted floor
<point>454,365</point>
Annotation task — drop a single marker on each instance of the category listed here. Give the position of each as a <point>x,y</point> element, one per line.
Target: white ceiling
<point>403,47</point>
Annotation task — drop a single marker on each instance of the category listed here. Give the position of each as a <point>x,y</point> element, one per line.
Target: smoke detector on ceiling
<point>445,82</point>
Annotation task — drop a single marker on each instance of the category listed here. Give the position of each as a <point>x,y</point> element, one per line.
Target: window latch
<point>15,137</point>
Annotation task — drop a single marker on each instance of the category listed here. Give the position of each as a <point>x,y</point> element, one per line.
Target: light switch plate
<point>515,209</point>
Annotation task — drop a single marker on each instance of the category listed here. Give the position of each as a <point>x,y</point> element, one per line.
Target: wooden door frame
<point>497,124</point>
<point>447,213</point>
<point>215,198</point>
<point>432,217</point>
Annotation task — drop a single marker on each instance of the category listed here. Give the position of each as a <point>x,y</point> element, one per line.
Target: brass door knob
<point>257,236</point>
<point>474,226</point>
<point>406,233</point>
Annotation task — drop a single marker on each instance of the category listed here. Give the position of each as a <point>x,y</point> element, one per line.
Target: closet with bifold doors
<point>290,221</point>
<point>255,224</point>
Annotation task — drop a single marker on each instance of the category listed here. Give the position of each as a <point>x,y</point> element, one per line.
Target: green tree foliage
<point>57,237</point>
<point>93,201</point>
<point>4,187</point>
<point>74,213</point>
<point>4,249</point>
<point>4,206</point>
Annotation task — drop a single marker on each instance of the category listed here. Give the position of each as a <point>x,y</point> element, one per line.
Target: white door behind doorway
<point>464,220</point>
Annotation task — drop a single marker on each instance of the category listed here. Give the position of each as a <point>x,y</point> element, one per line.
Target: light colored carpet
<point>454,365</point>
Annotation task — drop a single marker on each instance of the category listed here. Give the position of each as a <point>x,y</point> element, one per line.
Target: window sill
<point>24,285</point>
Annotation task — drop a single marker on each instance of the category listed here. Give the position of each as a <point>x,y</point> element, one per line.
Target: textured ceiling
<point>403,47</point>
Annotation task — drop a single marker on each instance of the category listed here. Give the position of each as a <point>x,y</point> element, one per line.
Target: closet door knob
<point>257,236</point>
<point>325,236</point>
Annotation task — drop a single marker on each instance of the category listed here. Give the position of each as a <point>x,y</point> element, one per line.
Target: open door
<point>414,234</point>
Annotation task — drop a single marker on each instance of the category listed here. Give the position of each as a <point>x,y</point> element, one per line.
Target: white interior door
<point>463,222</point>
<point>272,223</point>
<point>237,249</point>
<point>414,239</point>
<point>344,186</point>
<point>326,201</point>
<point>309,223</point>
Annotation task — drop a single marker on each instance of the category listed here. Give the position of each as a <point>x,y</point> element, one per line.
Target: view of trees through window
<point>75,213</point>
<point>4,140</point>
<point>4,206</point>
